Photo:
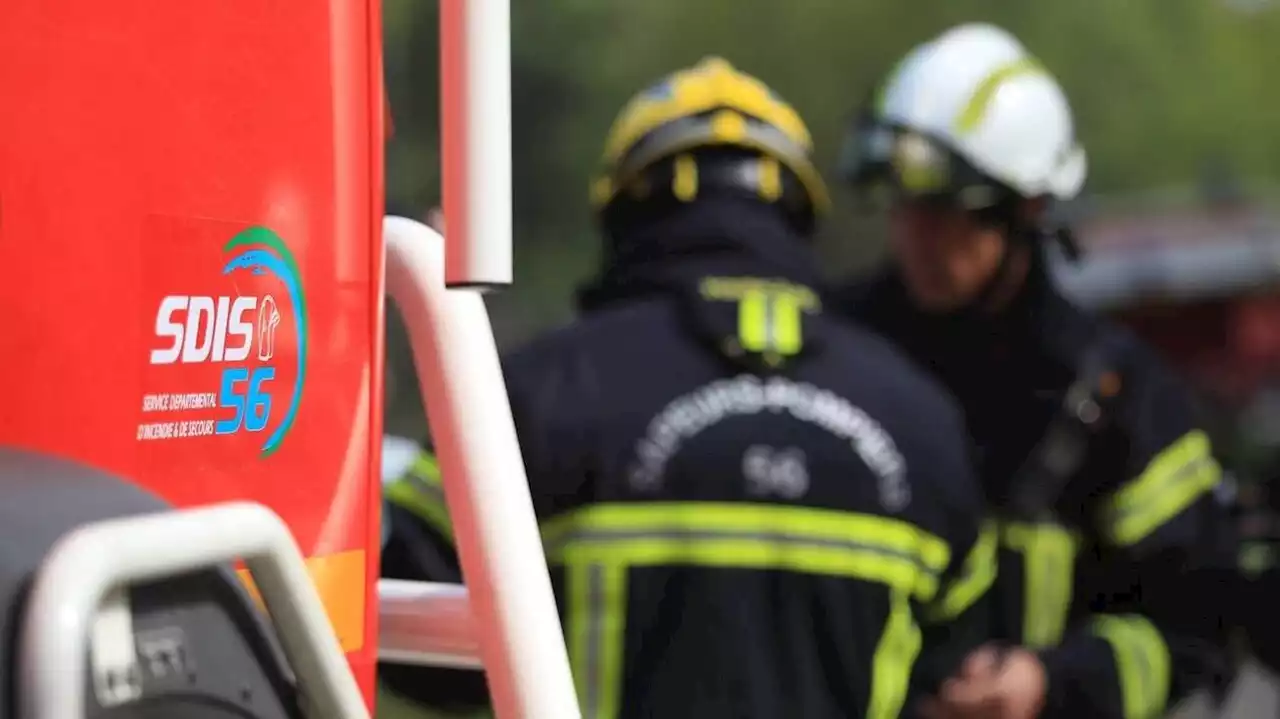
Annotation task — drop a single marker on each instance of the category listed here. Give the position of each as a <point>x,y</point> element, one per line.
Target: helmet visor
<point>894,164</point>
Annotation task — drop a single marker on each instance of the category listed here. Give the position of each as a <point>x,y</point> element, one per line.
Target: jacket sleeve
<point>419,546</point>
<point>955,621</point>
<point>1159,526</point>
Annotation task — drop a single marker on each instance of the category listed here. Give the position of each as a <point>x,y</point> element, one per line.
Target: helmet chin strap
<point>1022,244</point>
<point>1025,246</point>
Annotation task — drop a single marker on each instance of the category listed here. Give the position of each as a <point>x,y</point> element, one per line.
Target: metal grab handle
<point>426,624</point>
<point>499,543</point>
<point>93,560</point>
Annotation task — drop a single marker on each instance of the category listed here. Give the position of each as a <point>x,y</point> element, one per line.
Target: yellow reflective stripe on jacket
<point>421,492</point>
<point>770,322</point>
<point>758,536</point>
<point>1172,481</point>
<point>1142,663</point>
<point>1048,554</point>
<point>599,544</point>
<point>894,657</point>
<point>976,576</point>
<point>595,624</point>
<point>770,312</point>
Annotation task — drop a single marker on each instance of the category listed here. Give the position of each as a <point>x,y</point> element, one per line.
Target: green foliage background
<point>1160,88</point>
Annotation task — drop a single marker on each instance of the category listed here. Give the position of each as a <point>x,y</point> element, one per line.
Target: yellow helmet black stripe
<point>711,104</point>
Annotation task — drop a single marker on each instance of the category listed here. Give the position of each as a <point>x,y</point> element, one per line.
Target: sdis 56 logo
<point>231,344</point>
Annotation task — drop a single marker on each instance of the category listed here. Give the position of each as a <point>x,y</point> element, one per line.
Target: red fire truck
<point>191,213</point>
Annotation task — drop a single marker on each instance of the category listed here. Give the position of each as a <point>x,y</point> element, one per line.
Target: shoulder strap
<point>1087,407</point>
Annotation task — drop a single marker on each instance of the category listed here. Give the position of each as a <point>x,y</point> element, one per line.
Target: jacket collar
<point>717,236</point>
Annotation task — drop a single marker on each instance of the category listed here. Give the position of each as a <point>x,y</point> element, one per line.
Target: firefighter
<point>750,509</point>
<point>1099,476</point>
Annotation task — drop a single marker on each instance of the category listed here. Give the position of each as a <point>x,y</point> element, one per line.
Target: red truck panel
<point>190,204</point>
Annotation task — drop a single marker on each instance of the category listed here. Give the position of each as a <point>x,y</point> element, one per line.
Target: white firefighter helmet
<point>978,93</point>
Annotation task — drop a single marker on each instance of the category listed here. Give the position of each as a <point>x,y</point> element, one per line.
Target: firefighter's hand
<point>992,684</point>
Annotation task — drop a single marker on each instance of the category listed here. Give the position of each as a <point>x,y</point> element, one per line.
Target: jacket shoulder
<point>565,347</point>
<point>1158,405</point>
<point>1073,334</point>
<point>919,410</point>
<point>868,353</point>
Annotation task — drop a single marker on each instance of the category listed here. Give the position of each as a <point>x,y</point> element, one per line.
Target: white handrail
<point>94,559</point>
<point>475,85</point>
<point>499,545</point>
<point>426,624</point>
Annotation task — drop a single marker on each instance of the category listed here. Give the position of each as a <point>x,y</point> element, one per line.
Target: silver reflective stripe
<point>596,611</point>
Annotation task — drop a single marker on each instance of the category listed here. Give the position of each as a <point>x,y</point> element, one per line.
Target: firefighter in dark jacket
<point>750,509</point>
<point>1090,453</point>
